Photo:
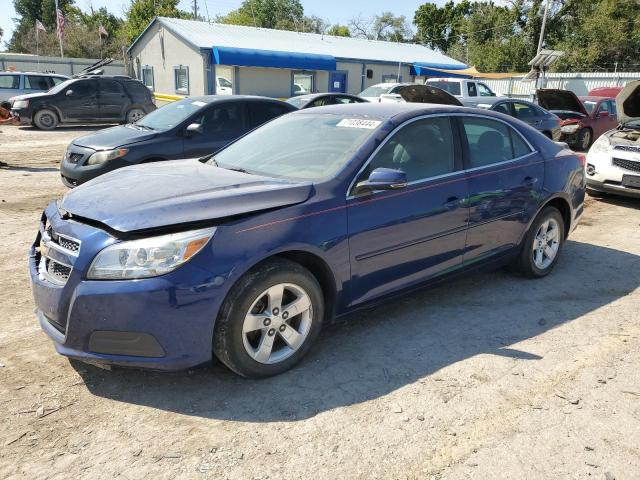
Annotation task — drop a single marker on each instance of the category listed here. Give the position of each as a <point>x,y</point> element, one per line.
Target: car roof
<point>594,99</point>
<point>311,96</point>
<point>231,98</point>
<point>46,74</point>
<point>388,111</point>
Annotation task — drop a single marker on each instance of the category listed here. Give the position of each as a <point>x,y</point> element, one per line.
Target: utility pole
<point>195,9</point>
<point>544,24</point>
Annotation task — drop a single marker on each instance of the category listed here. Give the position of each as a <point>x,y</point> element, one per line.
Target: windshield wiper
<point>209,158</point>
<point>237,169</point>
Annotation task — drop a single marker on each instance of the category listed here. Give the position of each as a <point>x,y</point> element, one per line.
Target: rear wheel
<point>134,115</point>
<point>269,320</point>
<point>45,119</point>
<point>542,244</point>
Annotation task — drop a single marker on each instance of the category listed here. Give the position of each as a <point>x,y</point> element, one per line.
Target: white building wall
<point>354,76</point>
<point>161,49</point>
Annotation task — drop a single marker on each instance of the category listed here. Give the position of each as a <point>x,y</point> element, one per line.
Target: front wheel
<point>134,115</point>
<point>269,320</point>
<point>45,119</point>
<point>584,139</point>
<point>542,244</point>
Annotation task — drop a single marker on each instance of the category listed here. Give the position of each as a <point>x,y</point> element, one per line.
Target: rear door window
<point>322,101</point>
<point>492,142</point>
<point>10,81</point>
<point>502,108</point>
<point>110,87</point>
<point>524,112</point>
<point>262,112</point>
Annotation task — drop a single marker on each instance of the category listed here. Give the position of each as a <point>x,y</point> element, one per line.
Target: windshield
<point>589,105</point>
<point>375,91</point>
<point>452,87</point>
<point>172,114</point>
<point>224,82</point>
<point>298,102</point>
<point>61,86</point>
<point>302,146</point>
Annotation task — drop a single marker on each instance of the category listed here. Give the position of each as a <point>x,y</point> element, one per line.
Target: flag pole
<point>37,46</point>
<point>59,33</point>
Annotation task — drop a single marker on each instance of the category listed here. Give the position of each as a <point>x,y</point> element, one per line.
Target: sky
<point>336,11</point>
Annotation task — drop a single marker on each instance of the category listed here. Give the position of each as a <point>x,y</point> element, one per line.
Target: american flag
<point>60,23</point>
<point>103,31</point>
<point>40,26</point>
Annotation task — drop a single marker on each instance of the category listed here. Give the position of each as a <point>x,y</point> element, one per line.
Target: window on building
<point>9,81</point>
<point>491,142</point>
<point>181,79</point>
<point>147,76</point>
<point>391,79</point>
<point>302,83</point>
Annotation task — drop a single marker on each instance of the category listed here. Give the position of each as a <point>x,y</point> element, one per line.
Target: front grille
<point>627,164</point>
<point>50,267</point>
<point>74,157</point>
<point>627,148</point>
<point>57,270</point>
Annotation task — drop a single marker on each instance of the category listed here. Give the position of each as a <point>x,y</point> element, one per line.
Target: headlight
<point>573,128</point>
<point>601,145</point>
<point>20,104</point>
<point>105,156</point>
<point>148,257</point>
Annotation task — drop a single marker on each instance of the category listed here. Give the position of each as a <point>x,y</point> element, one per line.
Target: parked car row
<point>245,253</point>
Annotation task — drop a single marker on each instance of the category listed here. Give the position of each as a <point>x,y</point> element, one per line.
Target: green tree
<point>339,31</point>
<point>385,26</point>
<point>440,27</point>
<point>141,12</point>
<point>278,14</point>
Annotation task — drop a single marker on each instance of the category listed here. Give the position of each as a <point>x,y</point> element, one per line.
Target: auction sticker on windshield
<point>198,103</point>
<point>358,123</point>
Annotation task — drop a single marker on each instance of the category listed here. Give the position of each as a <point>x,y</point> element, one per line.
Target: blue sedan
<point>246,254</point>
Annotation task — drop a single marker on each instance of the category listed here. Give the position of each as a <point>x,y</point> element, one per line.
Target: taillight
<point>583,159</point>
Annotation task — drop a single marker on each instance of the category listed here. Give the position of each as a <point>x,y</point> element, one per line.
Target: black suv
<point>86,99</point>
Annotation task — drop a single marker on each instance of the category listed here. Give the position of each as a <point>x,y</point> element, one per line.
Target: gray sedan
<point>536,116</point>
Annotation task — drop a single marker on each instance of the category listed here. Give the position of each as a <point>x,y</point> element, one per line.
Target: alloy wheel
<point>546,244</point>
<point>277,324</point>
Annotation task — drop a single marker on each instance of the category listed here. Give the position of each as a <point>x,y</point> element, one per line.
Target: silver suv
<point>19,83</point>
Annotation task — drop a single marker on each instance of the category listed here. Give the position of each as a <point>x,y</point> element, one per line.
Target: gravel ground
<point>490,377</point>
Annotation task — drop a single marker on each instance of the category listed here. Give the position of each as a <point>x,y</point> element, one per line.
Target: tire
<point>45,119</point>
<point>134,115</point>
<point>584,139</point>
<point>248,324</point>
<point>533,260</point>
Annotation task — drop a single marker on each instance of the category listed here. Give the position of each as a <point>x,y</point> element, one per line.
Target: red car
<point>583,119</point>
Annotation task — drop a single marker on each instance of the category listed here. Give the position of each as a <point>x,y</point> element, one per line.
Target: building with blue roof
<point>187,57</point>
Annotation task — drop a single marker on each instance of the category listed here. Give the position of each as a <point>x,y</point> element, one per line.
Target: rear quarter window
<point>138,91</point>
<point>10,81</point>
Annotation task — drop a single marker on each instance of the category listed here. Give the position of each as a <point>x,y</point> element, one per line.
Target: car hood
<point>153,196</point>
<point>560,100</point>
<point>628,102</point>
<point>29,96</point>
<point>114,137</point>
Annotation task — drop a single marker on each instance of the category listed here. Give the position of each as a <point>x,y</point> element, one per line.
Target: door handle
<point>452,203</point>
<point>529,181</point>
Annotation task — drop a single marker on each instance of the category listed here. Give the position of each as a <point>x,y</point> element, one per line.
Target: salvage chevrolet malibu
<point>246,254</point>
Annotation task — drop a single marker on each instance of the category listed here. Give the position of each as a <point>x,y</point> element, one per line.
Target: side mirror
<point>383,179</point>
<point>69,93</point>
<point>193,128</point>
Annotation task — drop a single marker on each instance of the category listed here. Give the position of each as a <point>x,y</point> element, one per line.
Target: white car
<point>613,162</point>
<point>375,92</point>
<point>471,93</point>
<point>224,86</point>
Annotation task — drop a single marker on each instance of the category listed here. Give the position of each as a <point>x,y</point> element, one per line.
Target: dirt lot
<point>490,377</point>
